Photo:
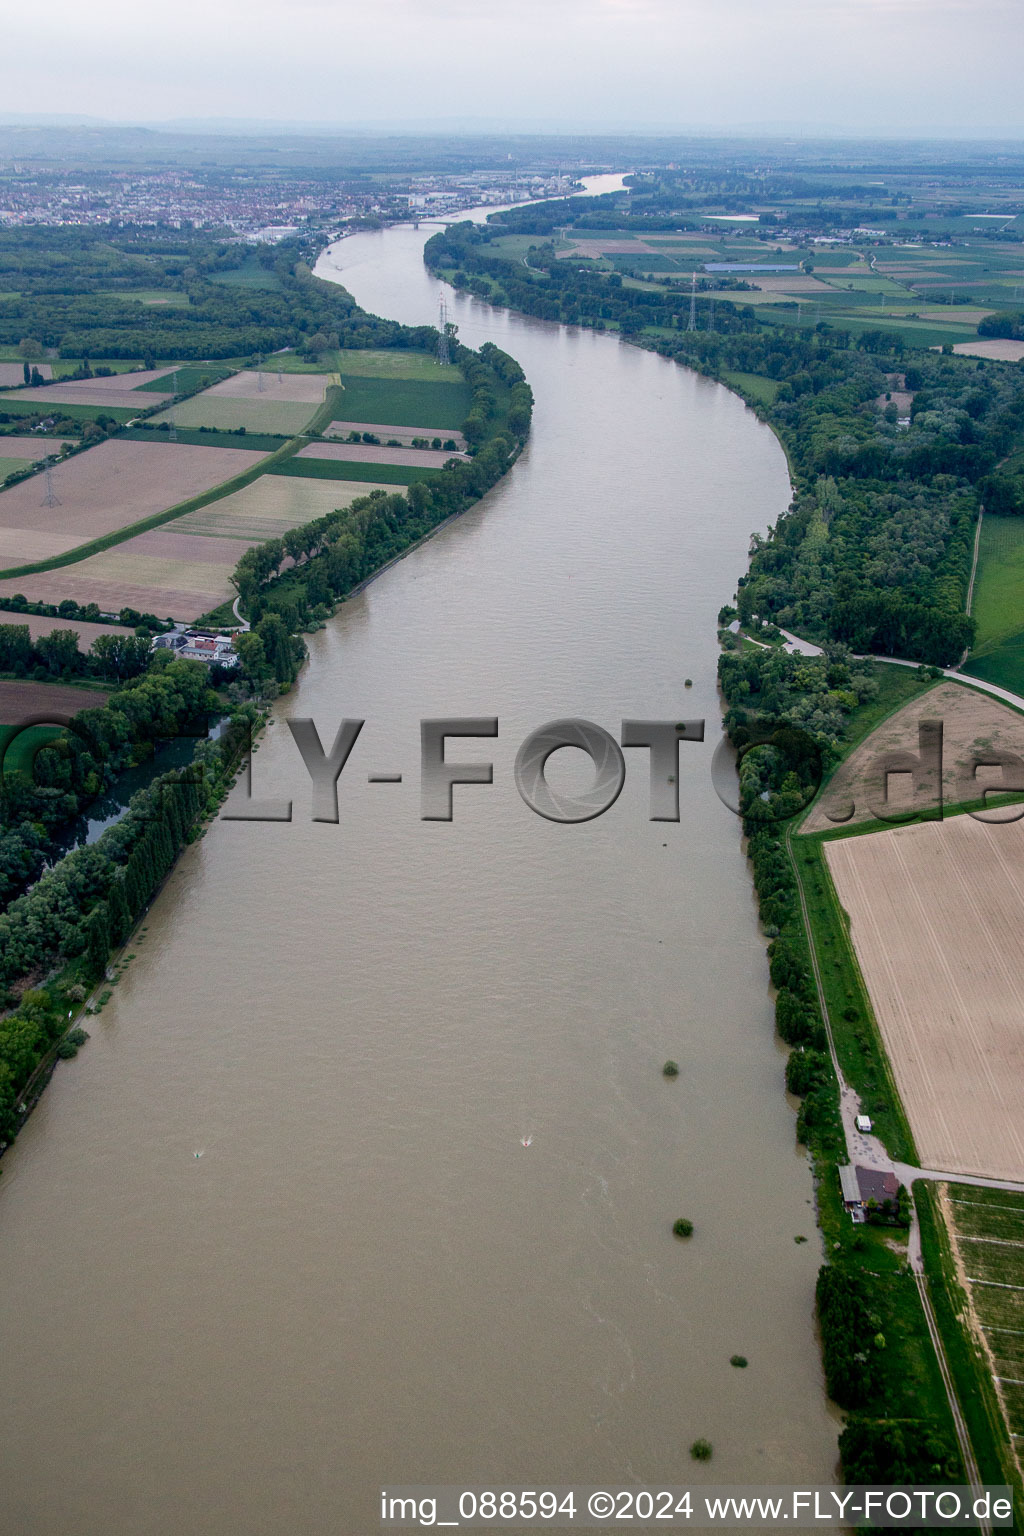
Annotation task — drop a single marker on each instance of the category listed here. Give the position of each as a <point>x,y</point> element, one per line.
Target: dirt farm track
<point>937,921</point>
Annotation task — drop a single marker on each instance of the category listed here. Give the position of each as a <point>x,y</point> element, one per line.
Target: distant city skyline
<point>828,67</point>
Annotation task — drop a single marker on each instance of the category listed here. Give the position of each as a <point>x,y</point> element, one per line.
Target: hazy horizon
<point>831,68</point>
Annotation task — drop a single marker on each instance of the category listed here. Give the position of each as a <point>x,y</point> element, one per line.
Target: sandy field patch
<point>937,922</point>
<point>14,373</point>
<point>86,632</point>
<point>1003,350</point>
<point>19,698</point>
<point>300,388</point>
<point>111,486</point>
<point>403,434</point>
<point>972,722</point>
<point>367,453</point>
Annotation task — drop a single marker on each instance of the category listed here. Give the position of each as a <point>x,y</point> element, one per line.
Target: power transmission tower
<point>51,499</point>
<point>692,324</point>
<point>443,353</point>
<point>172,430</point>
<point>711,316</point>
<point>260,385</point>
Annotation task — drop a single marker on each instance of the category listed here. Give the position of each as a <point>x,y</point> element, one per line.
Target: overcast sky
<point>870,65</point>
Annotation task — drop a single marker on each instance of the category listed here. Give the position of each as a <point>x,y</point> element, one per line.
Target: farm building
<point>198,645</point>
<point>862,1186</point>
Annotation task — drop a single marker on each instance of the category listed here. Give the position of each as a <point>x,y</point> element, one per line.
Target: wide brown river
<point>367,1279</point>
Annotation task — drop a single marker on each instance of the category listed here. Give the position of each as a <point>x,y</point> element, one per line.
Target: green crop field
<point>193,438</point>
<point>187,377</point>
<point>339,469</point>
<point>249,275</point>
<point>388,364</point>
<point>998,604</point>
<point>403,402</point>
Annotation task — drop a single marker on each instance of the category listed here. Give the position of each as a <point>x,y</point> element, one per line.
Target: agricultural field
<point>21,696</point>
<point>1005,351</point>
<point>39,624</point>
<point>986,1232</point>
<point>433,406</point>
<point>998,604</point>
<point>29,450</point>
<point>271,385</point>
<point>183,568</point>
<point>180,380</point>
<point>403,433</point>
<point>936,914</point>
<point>258,415</point>
<point>118,389</point>
<point>106,489</point>
<point>372,453</point>
<point>345,469</point>
<point>973,723</point>
<point>13,374</point>
<point>391,363</point>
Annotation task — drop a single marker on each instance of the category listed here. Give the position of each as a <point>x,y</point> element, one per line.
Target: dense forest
<point>72,289</point>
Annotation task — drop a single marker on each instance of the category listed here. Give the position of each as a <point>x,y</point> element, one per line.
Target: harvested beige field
<point>271,505</point>
<point>19,698</point>
<point>402,434</point>
<point>67,394</point>
<point>169,585</point>
<point>86,632</point>
<point>937,922</point>
<point>14,373</point>
<point>117,389</point>
<point>955,315</point>
<point>109,487</point>
<point>184,569</point>
<point>30,448</point>
<point>1003,351</point>
<point>303,388</point>
<point>368,453</point>
<point>973,723</point>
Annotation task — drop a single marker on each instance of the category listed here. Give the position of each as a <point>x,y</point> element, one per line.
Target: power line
<point>692,324</point>
<point>51,499</point>
<point>443,353</point>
